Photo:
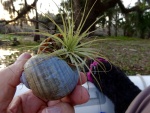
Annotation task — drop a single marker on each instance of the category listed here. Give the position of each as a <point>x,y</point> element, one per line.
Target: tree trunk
<point>109,24</point>
<point>93,14</point>
<point>140,25</point>
<point>116,25</point>
<point>97,10</point>
<point>77,13</point>
<point>142,34</point>
<point>36,36</point>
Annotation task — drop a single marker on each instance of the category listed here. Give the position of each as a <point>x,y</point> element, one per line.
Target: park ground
<point>132,55</point>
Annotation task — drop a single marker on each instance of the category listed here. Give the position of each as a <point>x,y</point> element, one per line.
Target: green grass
<point>9,37</point>
<point>123,38</point>
<point>130,54</point>
<point>26,42</point>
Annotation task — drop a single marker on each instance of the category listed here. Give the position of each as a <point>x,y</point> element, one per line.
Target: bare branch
<point>134,8</point>
<point>24,11</point>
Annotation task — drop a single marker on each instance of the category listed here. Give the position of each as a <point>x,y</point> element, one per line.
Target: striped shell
<point>50,78</point>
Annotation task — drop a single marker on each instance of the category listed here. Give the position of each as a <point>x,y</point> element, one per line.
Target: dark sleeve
<point>116,85</point>
<point>141,104</point>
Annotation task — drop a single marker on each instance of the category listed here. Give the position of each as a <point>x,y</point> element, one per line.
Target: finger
<point>11,74</point>
<point>17,67</point>
<point>31,103</point>
<point>52,103</point>
<point>26,103</point>
<point>82,78</point>
<point>60,107</point>
<point>80,95</point>
<point>9,79</point>
<point>15,106</point>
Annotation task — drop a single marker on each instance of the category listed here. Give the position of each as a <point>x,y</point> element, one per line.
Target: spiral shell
<point>50,78</point>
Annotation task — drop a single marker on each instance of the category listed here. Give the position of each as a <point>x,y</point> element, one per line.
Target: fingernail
<point>53,110</point>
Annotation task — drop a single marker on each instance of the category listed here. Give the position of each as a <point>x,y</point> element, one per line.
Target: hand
<point>28,102</point>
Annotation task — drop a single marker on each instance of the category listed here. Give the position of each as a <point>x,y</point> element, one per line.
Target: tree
<point>113,19</point>
<point>99,8</point>
<point>46,23</point>
<point>137,22</point>
<point>36,36</point>
<point>22,13</point>
<point>24,10</point>
<point>109,13</point>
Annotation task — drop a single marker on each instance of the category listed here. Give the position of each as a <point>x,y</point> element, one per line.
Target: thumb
<point>18,66</point>
<point>11,74</point>
<point>9,79</point>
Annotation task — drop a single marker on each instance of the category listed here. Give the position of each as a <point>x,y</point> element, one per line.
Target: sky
<point>49,5</point>
<point>46,5</point>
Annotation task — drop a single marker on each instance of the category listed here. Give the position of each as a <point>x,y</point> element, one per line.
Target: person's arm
<point>141,104</point>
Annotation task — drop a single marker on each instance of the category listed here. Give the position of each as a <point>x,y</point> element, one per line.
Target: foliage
<point>138,24</point>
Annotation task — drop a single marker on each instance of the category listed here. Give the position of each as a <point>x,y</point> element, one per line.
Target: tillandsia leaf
<point>57,39</point>
<point>92,75</point>
<point>72,50</point>
<point>88,43</point>
<point>71,59</point>
<point>59,28</point>
<point>85,32</point>
<point>66,25</point>
<point>70,40</point>
<point>73,23</point>
<point>87,50</point>
<point>83,22</point>
<point>70,24</point>
<point>72,44</point>
<point>85,54</point>
<point>59,52</point>
<point>77,60</point>
<point>79,28</point>
<point>80,60</point>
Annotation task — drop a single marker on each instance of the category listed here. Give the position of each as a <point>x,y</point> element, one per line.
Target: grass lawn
<point>130,54</point>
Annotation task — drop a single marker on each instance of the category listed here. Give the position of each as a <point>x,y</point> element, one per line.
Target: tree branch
<point>24,11</point>
<point>134,8</point>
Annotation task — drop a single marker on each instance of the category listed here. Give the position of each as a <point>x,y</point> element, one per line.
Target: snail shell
<point>49,78</point>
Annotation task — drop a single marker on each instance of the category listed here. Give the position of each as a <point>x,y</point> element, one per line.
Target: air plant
<point>54,72</point>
